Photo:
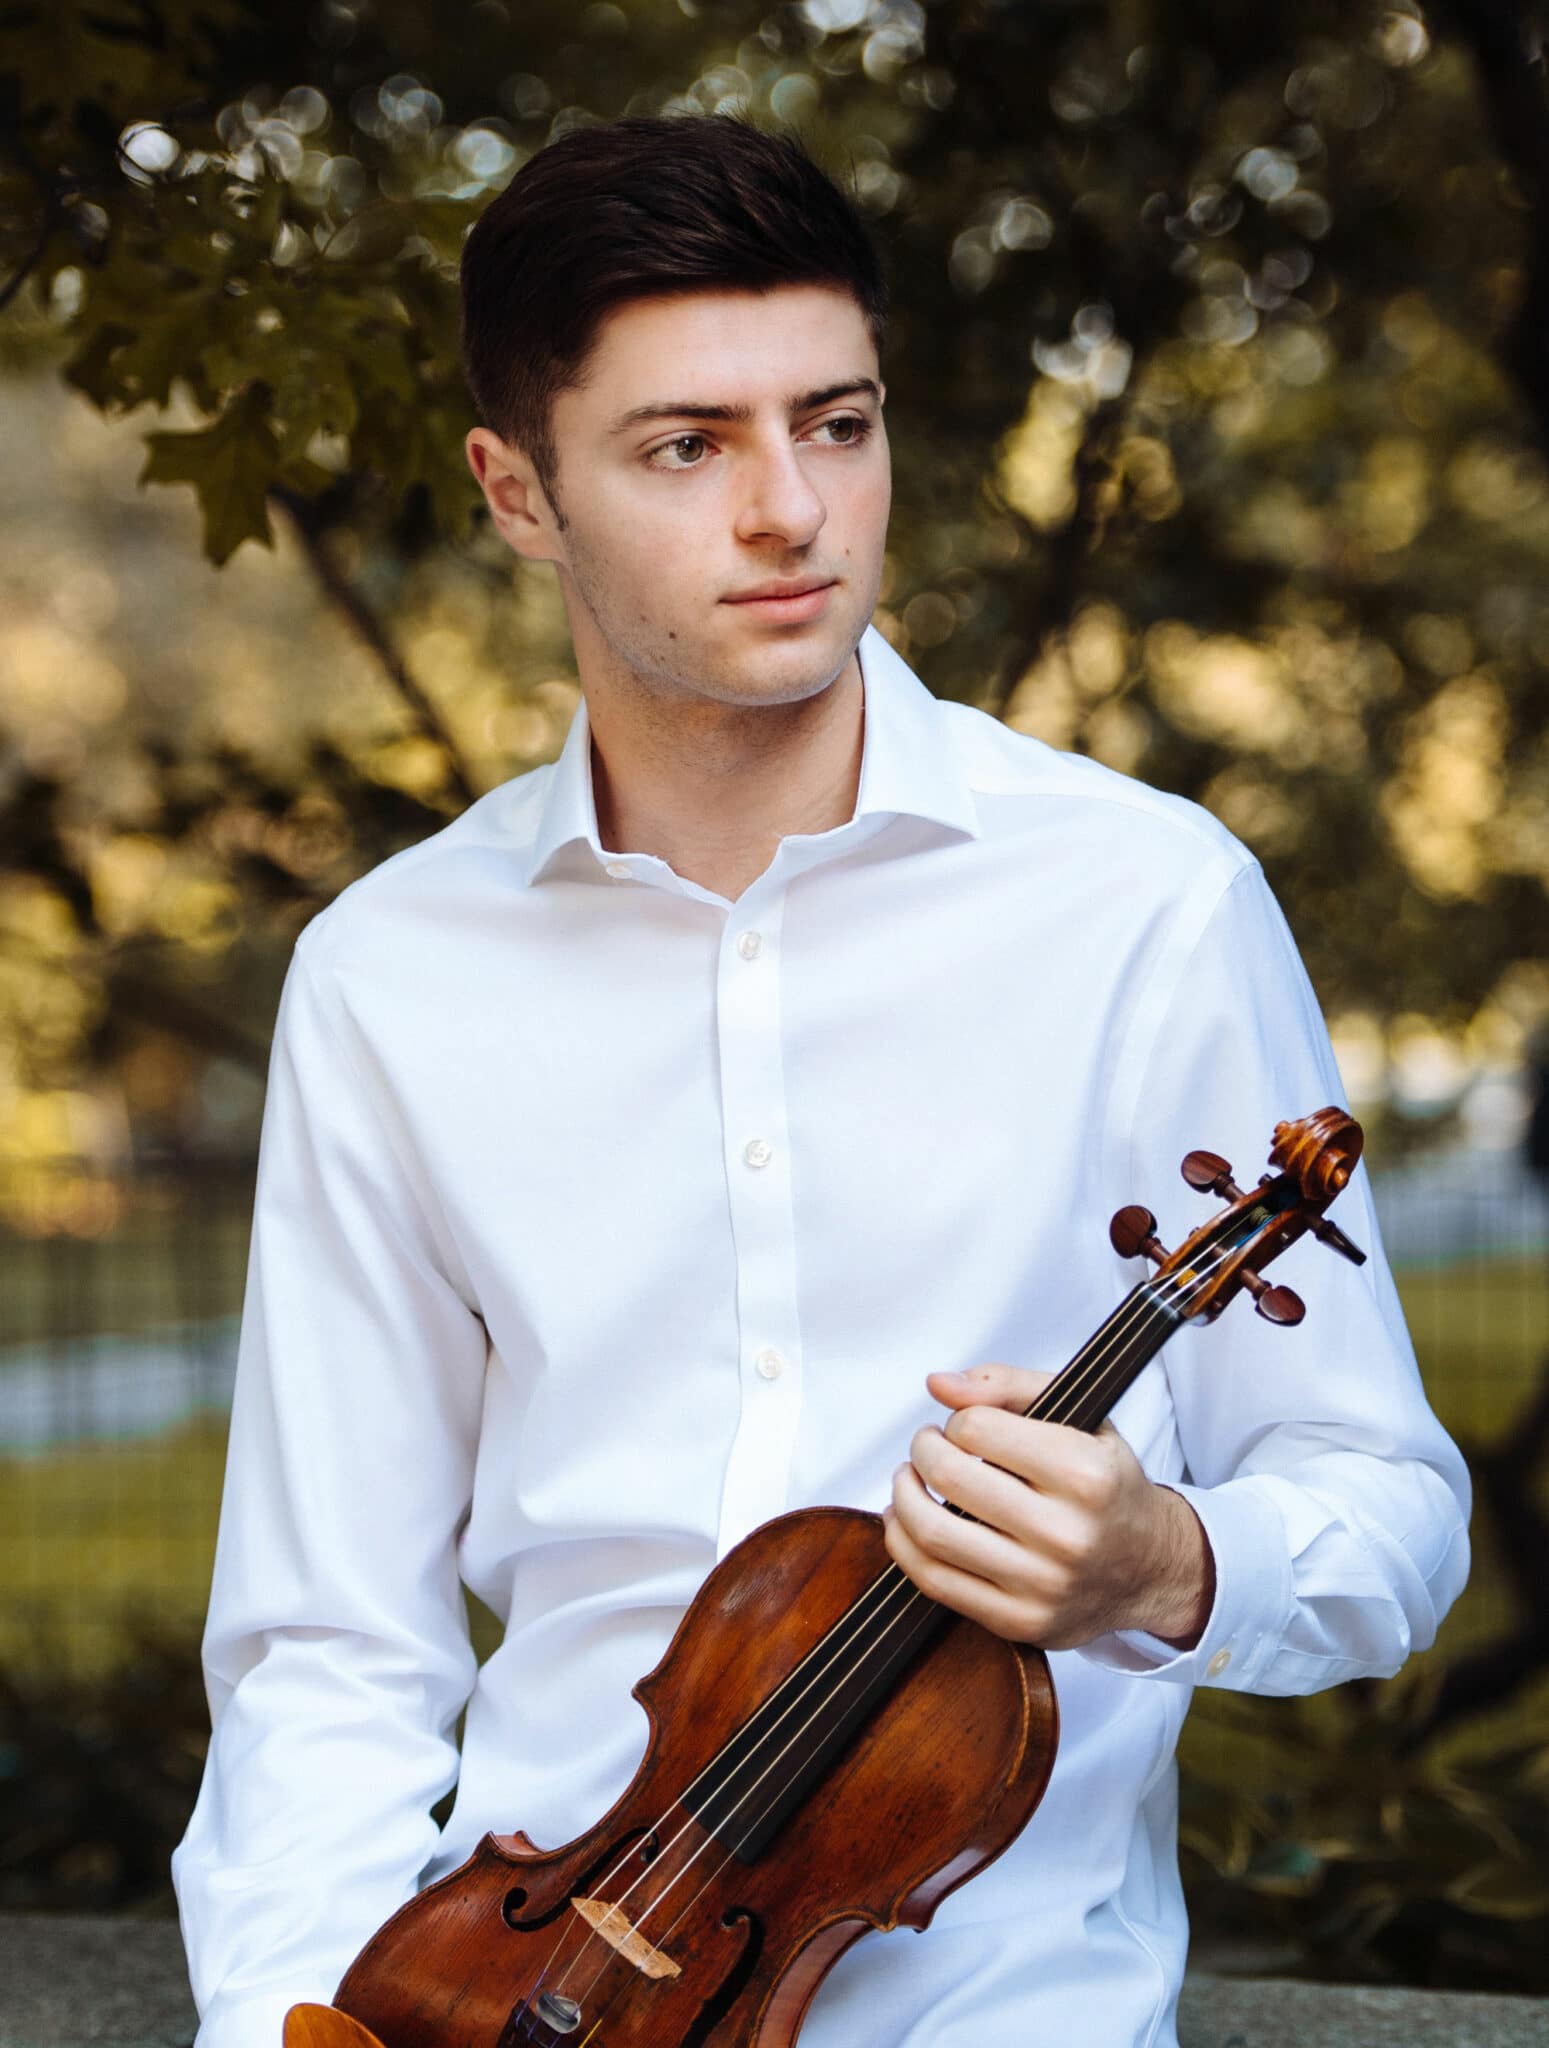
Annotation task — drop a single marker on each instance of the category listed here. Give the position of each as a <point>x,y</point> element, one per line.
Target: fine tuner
<point>1320,1161</point>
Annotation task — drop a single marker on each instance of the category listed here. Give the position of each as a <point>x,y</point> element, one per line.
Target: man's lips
<point>780,590</point>
<point>796,608</point>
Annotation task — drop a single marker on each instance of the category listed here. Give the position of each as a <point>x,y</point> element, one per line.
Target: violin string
<point>1146,1298</point>
<point>1092,1369</point>
<point>889,1583</point>
<point>878,1591</point>
<point>1080,1384</point>
<point>914,1599</point>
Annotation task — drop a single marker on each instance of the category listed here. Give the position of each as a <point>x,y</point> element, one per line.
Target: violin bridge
<point>615,1929</point>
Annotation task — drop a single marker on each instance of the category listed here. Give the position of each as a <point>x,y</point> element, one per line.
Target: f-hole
<point>514,1900</point>
<point>732,1986</point>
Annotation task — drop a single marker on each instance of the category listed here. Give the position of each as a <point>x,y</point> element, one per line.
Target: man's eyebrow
<point>673,409</point>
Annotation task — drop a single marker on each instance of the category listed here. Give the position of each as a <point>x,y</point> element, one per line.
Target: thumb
<point>1000,1386</point>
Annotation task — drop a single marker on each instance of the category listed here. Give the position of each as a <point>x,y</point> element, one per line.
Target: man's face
<point>671,518</point>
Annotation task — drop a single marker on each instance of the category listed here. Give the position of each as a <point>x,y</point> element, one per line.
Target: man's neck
<point>712,789</point>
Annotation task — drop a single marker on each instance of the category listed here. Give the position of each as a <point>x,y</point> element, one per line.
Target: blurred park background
<point>1218,395</point>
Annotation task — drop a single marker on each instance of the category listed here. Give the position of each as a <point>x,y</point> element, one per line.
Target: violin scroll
<point>1316,1155</point>
<point>1321,1150</point>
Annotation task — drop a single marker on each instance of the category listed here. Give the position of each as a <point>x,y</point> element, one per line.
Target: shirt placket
<point>759,1191</point>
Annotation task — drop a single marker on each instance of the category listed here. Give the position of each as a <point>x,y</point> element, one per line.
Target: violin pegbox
<point>1316,1155</point>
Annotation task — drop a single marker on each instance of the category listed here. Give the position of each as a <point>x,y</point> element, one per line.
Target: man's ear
<point>515,498</point>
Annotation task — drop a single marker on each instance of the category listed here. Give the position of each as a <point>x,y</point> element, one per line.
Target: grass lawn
<point>1480,1329</point>
<point>91,1532</point>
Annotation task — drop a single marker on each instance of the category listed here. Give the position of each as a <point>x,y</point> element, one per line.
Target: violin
<point>830,1751</point>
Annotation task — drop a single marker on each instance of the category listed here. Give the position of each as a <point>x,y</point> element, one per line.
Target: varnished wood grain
<point>323,2026</point>
<point>944,1776</point>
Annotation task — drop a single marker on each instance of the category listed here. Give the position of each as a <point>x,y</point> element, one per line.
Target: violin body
<point>937,1783</point>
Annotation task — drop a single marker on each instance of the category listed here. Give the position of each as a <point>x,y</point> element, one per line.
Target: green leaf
<point>117,53</point>
<point>312,393</point>
<point>90,369</point>
<point>67,50</point>
<point>149,362</point>
<point>230,464</point>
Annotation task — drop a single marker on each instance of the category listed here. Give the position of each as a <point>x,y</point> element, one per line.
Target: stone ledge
<point>73,1982</point>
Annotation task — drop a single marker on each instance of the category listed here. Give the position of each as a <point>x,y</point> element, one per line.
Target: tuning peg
<point>1210,1174</point>
<point>1132,1233</point>
<point>1274,1304</point>
<point>1331,1235</point>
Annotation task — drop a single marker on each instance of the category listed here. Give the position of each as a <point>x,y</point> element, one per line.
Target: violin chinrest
<point>322,2026</point>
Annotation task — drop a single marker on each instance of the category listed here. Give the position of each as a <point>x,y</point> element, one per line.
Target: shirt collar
<point>909,764</point>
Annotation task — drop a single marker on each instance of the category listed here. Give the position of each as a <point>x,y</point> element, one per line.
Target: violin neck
<point>1114,1355</point>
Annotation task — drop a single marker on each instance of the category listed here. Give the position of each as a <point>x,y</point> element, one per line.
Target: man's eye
<point>680,441</point>
<point>850,419</point>
<point>861,426</point>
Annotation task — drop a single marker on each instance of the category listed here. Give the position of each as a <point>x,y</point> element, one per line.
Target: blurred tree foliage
<point>1218,388</point>
<point>1217,391</point>
<point>1341,1835</point>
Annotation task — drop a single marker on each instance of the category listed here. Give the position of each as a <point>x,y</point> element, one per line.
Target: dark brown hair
<point>646,206</point>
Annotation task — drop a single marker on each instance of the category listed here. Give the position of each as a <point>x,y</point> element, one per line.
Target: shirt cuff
<point>1252,1605</point>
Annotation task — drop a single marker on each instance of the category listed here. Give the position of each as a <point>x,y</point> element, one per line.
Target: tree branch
<point>344,594</point>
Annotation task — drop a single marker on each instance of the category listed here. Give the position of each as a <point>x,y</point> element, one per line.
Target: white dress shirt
<point>599,1219</point>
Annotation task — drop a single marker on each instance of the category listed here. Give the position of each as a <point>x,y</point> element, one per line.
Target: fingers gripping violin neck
<point>830,1750</point>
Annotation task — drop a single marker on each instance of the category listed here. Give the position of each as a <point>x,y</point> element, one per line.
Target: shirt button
<point>1218,1663</point>
<point>619,869</point>
<point>770,1365</point>
<point>749,944</point>
<point>758,1151</point>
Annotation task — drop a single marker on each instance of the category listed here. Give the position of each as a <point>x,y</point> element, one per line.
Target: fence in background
<point>118,1354</point>
<point>117,1358</point>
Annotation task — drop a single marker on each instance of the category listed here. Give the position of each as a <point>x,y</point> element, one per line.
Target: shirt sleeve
<point>1335,1504</point>
<point>336,1650</point>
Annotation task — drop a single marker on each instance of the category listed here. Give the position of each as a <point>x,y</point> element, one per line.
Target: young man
<point>645,1150</point>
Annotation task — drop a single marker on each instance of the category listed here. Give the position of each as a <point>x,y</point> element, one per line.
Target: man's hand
<point>1070,1538</point>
